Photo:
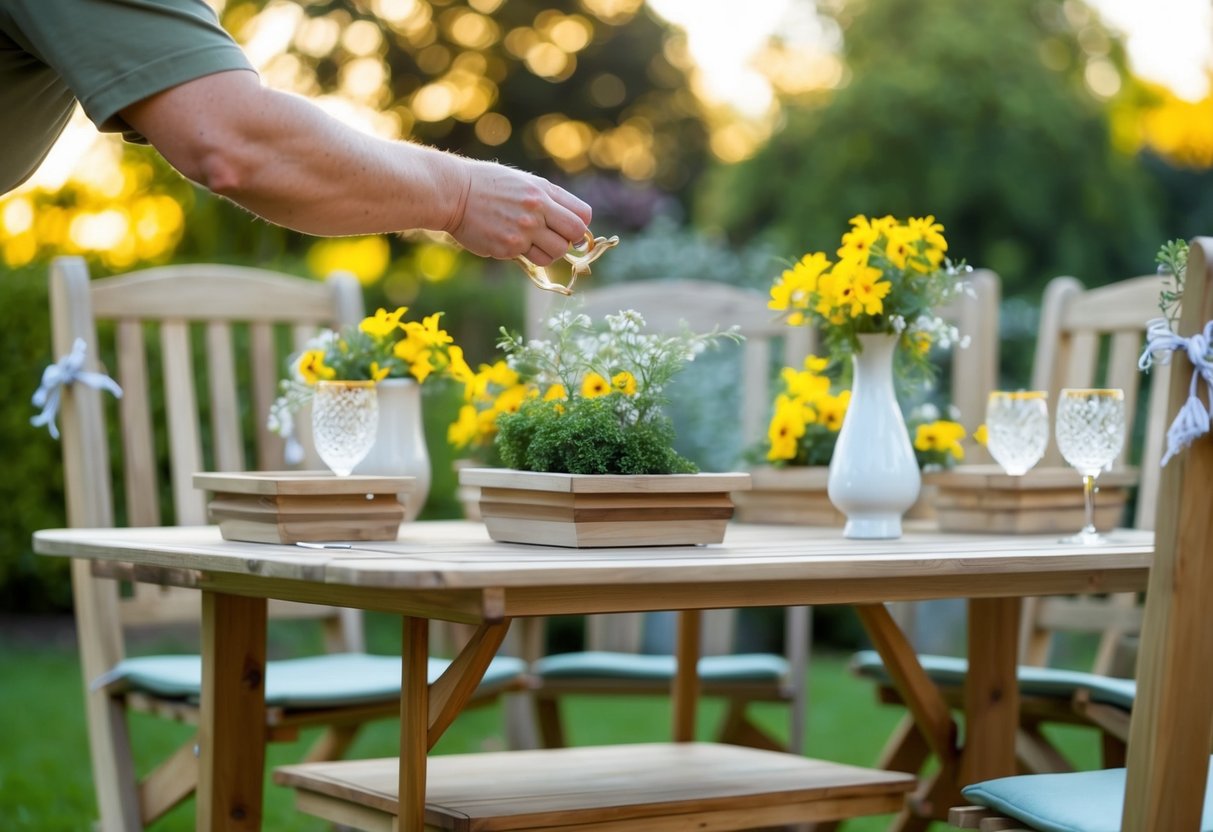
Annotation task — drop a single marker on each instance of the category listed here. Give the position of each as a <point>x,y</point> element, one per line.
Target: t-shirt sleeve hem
<point>103,104</point>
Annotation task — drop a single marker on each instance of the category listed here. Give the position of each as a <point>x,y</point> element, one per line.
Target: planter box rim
<point>601,483</point>
<point>299,483</point>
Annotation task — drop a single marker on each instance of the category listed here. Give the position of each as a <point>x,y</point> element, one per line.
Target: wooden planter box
<point>304,506</point>
<point>796,495</point>
<point>982,498</point>
<point>588,510</point>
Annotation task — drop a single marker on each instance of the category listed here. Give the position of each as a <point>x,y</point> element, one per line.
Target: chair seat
<point>309,682</point>
<point>598,664</point>
<point>950,671</point>
<point>1082,801</point>
<point>649,786</point>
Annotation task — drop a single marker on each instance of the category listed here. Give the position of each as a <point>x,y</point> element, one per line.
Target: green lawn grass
<point>46,785</point>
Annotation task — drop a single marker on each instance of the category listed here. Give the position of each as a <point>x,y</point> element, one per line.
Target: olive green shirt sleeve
<point>107,54</point>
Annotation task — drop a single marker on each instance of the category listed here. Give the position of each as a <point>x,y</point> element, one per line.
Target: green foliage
<point>31,491</point>
<point>977,115</point>
<point>587,439</point>
<point>1172,261</point>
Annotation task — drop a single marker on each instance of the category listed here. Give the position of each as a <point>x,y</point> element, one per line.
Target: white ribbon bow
<point>1193,418</point>
<point>68,369</point>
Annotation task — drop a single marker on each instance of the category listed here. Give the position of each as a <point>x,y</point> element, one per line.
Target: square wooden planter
<point>304,506</point>
<point>795,495</point>
<point>982,498</point>
<point>589,510</point>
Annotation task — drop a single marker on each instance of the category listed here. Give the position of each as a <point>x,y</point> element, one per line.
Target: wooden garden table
<point>452,571</point>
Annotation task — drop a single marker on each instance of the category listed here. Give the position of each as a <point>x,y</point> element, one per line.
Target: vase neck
<point>874,364</point>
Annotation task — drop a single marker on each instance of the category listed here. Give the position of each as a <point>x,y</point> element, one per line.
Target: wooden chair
<point>228,310</point>
<point>1077,325</point>
<point>632,654</point>
<point>1165,784</point>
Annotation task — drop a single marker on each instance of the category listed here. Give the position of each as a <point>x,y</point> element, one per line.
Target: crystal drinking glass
<point>1090,434</point>
<point>1017,428</point>
<point>345,416</point>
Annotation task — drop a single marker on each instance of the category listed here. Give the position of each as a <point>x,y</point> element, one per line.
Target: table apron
<point>466,606</point>
<point>592,598</point>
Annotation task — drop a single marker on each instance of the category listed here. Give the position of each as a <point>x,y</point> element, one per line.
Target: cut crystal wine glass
<point>345,416</point>
<point>1090,435</point>
<point>1017,428</point>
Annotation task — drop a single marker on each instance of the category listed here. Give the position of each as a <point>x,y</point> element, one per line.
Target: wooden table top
<point>458,555</point>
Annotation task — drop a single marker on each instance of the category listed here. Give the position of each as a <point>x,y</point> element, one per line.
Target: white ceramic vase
<point>874,475</point>
<point>400,449</point>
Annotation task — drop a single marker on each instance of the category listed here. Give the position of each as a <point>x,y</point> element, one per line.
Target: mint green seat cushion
<point>1035,681</point>
<point>1081,801</point>
<point>311,682</point>
<point>599,664</point>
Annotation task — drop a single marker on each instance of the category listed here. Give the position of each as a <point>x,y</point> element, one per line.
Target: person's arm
<point>284,159</point>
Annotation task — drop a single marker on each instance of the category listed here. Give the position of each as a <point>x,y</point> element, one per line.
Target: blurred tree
<point>563,88</point>
<point>992,117</point>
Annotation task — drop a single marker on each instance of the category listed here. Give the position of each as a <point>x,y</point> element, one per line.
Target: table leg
<point>991,691</point>
<point>414,723</point>
<point>231,732</point>
<point>686,677</point>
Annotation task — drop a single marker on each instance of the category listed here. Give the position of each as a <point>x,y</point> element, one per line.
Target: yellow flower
<point>464,430</point>
<point>594,386</point>
<point>868,290</point>
<point>624,382</point>
<point>793,287</point>
<point>785,429</point>
<point>857,243</point>
<point>379,373</point>
<point>382,323</point>
<point>921,342</point>
<point>929,231</point>
<point>899,245</point>
<point>458,366</point>
<point>981,435</point>
<point>421,366</point>
<point>556,391</point>
<point>832,409</point>
<point>942,435</point>
<point>428,331</point>
<point>804,385</point>
<point>501,374</point>
<point>510,399</point>
<point>813,364</point>
<point>313,368</point>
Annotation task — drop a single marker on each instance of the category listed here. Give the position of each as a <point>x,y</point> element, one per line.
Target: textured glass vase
<point>874,476</point>
<point>345,415</point>
<point>400,449</point>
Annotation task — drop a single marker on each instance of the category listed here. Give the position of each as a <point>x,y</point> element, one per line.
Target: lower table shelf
<point>666,786</point>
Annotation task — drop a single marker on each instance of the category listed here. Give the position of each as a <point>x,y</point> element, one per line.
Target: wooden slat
<point>303,418</point>
<point>226,434</point>
<point>139,456</point>
<point>651,786</point>
<point>755,398</point>
<point>265,370</point>
<point>184,441</point>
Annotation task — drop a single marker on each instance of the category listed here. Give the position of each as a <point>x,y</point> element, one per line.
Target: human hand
<point>504,213</point>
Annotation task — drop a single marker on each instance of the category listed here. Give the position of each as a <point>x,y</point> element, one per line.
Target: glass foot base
<point>1086,537</point>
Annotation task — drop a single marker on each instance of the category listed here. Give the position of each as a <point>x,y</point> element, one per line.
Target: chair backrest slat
<point>303,419</point>
<point>184,440</point>
<point>265,368</point>
<point>1172,717</point>
<point>141,482</point>
<point>227,436</point>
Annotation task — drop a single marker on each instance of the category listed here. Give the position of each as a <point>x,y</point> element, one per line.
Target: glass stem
<point>1088,493</point>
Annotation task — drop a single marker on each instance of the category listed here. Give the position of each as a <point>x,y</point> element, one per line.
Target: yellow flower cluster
<point>940,439</point>
<point>807,416</point>
<point>490,391</point>
<point>877,257</point>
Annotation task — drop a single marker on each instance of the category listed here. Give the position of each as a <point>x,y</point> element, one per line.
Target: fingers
<point>547,247</point>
